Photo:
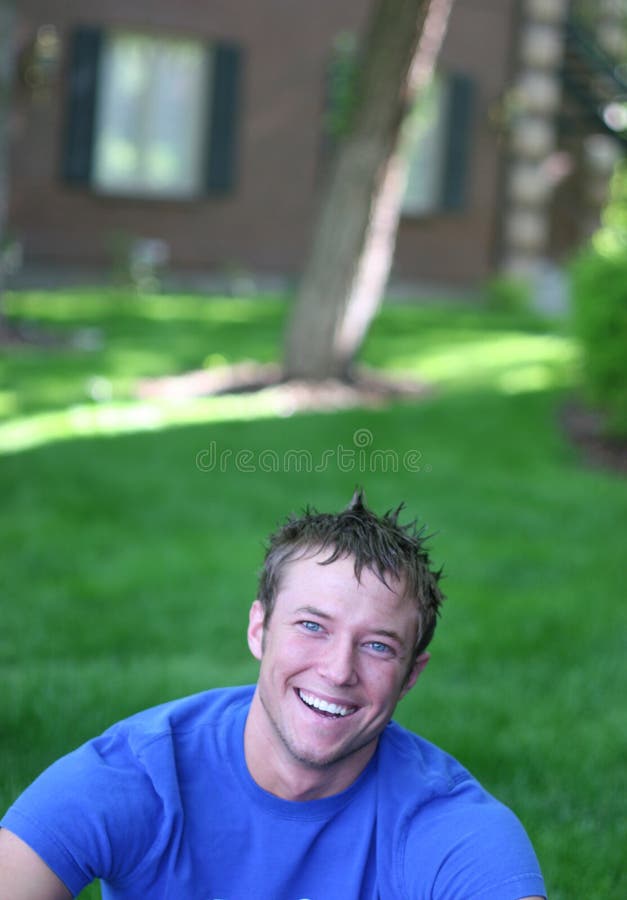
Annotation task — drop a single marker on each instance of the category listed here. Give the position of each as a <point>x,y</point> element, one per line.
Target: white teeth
<point>333,708</point>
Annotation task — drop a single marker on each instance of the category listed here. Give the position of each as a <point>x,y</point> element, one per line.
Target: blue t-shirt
<point>162,806</point>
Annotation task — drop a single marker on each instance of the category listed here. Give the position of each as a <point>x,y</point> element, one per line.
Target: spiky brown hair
<point>378,543</point>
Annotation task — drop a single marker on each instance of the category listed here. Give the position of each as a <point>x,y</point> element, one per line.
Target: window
<point>151,116</point>
<point>425,137</point>
<point>150,106</point>
<point>436,140</point>
<point>436,134</point>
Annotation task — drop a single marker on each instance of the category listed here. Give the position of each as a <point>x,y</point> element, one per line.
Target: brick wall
<point>265,224</point>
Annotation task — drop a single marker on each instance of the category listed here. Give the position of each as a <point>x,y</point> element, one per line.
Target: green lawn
<point>132,534</point>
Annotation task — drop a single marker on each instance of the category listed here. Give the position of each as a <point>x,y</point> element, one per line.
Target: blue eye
<point>311,626</point>
<point>379,647</point>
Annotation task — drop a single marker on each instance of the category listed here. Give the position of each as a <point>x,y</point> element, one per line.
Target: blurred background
<point>199,138</point>
<point>162,169</point>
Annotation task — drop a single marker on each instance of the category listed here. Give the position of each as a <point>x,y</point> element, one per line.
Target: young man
<point>300,787</point>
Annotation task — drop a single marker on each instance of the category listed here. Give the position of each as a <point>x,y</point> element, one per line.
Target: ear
<point>256,619</point>
<point>418,666</point>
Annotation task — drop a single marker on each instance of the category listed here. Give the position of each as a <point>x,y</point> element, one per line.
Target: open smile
<point>324,707</point>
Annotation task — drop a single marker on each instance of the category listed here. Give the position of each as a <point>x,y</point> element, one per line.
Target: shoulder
<point>450,832</point>
<point>408,760</point>
<point>120,790</point>
<point>476,846</point>
<point>141,758</point>
<point>176,718</point>
<point>132,748</point>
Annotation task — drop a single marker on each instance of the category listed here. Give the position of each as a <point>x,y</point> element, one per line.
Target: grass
<point>130,567</point>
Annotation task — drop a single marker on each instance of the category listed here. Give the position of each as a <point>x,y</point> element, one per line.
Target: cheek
<point>300,654</point>
<point>384,682</point>
<point>289,654</point>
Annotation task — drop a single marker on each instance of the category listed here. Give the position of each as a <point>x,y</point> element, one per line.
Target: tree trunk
<point>353,245</point>
<point>7,31</point>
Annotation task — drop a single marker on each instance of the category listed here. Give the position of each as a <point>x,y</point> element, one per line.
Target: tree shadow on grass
<point>366,388</point>
<point>369,388</point>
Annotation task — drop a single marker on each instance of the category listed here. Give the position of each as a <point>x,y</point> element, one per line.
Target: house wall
<point>264,226</point>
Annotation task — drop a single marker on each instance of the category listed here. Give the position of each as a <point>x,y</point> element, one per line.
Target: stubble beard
<point>319,764</point>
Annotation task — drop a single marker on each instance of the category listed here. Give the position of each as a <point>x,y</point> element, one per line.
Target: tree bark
<point>351,253</point>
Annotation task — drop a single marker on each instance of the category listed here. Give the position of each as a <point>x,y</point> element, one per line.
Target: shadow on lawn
<point>368,388</point>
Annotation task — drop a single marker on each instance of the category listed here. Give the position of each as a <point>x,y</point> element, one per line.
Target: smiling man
<point>299,787</point>
<point>336,656</point>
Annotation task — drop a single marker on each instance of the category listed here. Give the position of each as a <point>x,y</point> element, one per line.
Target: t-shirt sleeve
<point>477,851</point>
<point>92,814</point>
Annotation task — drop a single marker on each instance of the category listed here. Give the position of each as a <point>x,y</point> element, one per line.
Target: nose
<point>337,663</point>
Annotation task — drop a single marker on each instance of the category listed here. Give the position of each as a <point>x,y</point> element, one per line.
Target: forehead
<point>334,587</point>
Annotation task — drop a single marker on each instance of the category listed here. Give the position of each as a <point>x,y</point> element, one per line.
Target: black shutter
<point>84,62</point>
<point>223,118</point>
<point>460,111</point>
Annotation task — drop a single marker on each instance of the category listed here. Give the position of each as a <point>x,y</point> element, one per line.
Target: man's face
<point>335,660</point>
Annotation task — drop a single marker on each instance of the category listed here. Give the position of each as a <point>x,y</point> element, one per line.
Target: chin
<point>324,758</point>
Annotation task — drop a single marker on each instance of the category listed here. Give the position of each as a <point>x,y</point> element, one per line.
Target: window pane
<point>152,112</point>
<point>425,142</point>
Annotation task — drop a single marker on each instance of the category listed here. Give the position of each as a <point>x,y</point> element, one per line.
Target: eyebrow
<point>313,611</point>
<point>380,632</point>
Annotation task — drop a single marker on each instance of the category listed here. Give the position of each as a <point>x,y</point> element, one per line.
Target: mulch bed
<point>585,428</point>
<point>368,387</point>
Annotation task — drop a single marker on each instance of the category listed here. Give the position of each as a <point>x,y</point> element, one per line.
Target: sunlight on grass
<point>119,418</point>
<point>506,362</point>
<point>73,390</point>
<point>526,379</point>
<point>60,306</point>
<point>165,308</point>
<point>8,403</point>
<point>94,304</point>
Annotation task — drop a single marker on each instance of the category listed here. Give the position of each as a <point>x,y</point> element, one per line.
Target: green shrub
<point>506,293</point>
<point>599,292</point>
